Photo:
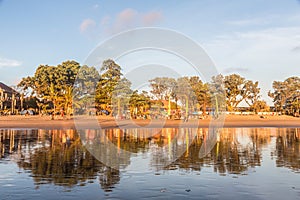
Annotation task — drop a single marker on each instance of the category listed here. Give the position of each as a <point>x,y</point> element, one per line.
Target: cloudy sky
<point>258,39</point>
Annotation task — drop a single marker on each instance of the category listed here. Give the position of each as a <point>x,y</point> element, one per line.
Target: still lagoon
<point>237,163</point>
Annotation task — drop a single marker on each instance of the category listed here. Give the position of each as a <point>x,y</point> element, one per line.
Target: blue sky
<point>257,39</point>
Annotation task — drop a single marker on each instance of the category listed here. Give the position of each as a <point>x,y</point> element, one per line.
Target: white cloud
<point>4,62</point>
<point>87,25</point>
<point>124,20</point>
<point>130,18</point>
<point>274,19</point>
<point>151,18</point>
<point>269,46</point>
<point>248,22</point>
<point>266,55</point>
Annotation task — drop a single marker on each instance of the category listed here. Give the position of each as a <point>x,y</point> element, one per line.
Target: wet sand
<point>84,122</point>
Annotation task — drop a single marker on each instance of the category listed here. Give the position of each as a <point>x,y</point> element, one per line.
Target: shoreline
<point>87,122</point>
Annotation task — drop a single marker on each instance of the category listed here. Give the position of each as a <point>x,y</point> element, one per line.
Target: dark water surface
<point>245,163</point>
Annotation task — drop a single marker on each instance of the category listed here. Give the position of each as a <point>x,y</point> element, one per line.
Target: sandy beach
<point>44,122</point>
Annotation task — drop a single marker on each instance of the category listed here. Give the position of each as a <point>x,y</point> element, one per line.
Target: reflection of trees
<point>115,147</point>
<point>229,155</point>
<point>13,141</point>
<point>132,140</point>
<point>108,178</point>
<point>55,157</point>
<point>288,148</point>
<point>238,149</point>
<point>190,159</point>
<point>259,138</point>
<point>65,162</point>
<point>169,144</point>
<point>58,156</point>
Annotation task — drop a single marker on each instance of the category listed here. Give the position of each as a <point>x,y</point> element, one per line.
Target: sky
<point>258,39</point>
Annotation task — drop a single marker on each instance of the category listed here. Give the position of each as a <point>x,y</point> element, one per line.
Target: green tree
<point>279,95</point>
<point>260,106</point>
<point>201,91</point>
<point>110,84</point>
<point>87,81</point>
<point>252,93</point>
<point>53,83</point>
<point>84,90</point>
<point>121,96</point>
<point>163,87</point>
<point>217,93</point>
<point>235,90</point>
<point>139,102</point>
<point>286,95</point>
<point>186,94</point>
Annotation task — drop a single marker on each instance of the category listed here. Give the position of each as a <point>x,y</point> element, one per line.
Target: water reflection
<point>58,157</point>
<point>116,147</point>
<point>235,151</point>
<point>288,149</point>
<point>55,156</point>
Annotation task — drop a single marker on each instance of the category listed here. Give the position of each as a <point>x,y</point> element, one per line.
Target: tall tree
<point>110,83</point>
<point>217,93</point>
<point>186,94</point>
<point>87,80</point>
<point>163,87</point>
<point>201,91</point>
<point>252,93</point>
<point>121,95</point>
<point>139,102</point>
<point>84,90</point>
<point>235,90</point>
<point>52,82</point>
<point>285,94</point>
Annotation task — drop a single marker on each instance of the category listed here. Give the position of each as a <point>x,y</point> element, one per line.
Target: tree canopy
<point>70,85</point>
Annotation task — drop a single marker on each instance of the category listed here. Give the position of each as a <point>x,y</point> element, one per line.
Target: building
<point>10,101</point>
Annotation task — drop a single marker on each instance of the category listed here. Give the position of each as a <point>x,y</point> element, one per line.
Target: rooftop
<point>7,88</point>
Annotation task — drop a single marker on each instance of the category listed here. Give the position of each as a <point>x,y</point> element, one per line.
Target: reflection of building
<point>9,98</point>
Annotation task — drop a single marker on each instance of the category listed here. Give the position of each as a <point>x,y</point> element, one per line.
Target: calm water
<point>245,163</point>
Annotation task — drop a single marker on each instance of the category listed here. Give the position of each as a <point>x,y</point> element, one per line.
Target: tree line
<point>72,87</point>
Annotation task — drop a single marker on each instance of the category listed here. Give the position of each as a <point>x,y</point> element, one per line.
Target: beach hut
<point>9,99</point>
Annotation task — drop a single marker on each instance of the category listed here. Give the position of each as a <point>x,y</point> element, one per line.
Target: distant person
<point>62,113</point>
<point>52,115</point>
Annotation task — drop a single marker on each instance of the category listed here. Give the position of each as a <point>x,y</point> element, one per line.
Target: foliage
<point>239,89</point>
<point>139,102</point>
<point>53,83</point>
<point>235,90</point>
<point>286,95</point>
<point>69,85</point>
<point>201,92</point>
<point>163,87</point>
<point>260,106</point>
<point>112,87</point>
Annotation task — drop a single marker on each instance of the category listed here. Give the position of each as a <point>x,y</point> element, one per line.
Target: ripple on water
<point>8,185</point>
